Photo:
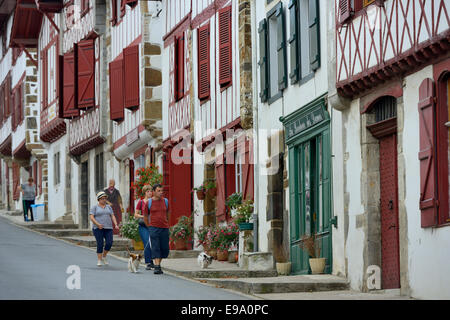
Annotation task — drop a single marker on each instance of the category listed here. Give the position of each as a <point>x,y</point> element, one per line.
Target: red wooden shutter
<point>427,154</point>
<point>114,12</point>
<point>40,178</point>
<point>8,97</point>
<point>225,57</point>
<point>230,180</point>
<point>45,78</point>
<point>16,181</point>
<point>2,104</point>
<point>166,174</point>
<point>221,192</point>
<point>203,62</point>
<point>35,172</point>
<point>181,197</point>
<point>116,100</point>
<point>86,74</point>
<point>67,96</point>
<point>19,97</point>
<point>345,8</point>
<point>179,67</point>
<point>131,74</point>
<point>13,113</point>
<point>247,172</point>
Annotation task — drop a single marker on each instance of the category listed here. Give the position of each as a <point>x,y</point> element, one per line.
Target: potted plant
<point>130,230</point>
<point>146,176</point>
<point>222,238</point>
<point>202,236</point>
<point>283,266</point>
<point>233,201</point>
<point>181,233</point>
<point>201,192</point>
<point>243,215</point>
<point>309,243</point>
<point>211,188</point>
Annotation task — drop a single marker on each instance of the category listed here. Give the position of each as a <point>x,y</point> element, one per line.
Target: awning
<point>27,25</point>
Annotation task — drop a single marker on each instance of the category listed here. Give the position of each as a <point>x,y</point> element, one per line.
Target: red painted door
<point>390,260</point>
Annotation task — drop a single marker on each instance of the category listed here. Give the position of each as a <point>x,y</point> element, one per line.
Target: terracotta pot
<point>222,255</point>
<point>212,253</point>
<point>212,192</point>
<point>317,265</point>
<point>137,245</point>
<point>201,195</point>
<point>180,245</point>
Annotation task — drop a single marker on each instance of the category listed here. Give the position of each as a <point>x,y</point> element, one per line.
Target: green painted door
<point>310,197</point>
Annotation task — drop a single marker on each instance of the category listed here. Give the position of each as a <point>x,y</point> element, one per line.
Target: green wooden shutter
<point>281,49</point>
<point>314,35</point>
<point>293,42</point>
<point>263,60</point>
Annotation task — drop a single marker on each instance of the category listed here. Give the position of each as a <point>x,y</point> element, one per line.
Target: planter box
<point>245,226</point>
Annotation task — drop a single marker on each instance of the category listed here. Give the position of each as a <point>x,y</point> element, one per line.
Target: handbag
<point>141,221</point>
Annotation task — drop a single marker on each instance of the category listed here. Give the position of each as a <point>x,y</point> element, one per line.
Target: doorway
<point>84,195</point>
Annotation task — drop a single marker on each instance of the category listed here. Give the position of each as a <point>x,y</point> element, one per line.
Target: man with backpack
<point>158,222</point>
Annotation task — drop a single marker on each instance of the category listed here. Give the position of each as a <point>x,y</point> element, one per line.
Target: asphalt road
<point>33,266</point>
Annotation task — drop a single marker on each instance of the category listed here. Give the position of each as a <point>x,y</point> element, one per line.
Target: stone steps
<point>66,232</point>
<point>51,225</point>
<point>119,243</point>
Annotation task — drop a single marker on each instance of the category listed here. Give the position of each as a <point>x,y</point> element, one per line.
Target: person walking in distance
<point>102,216</point>
<point>159,227</point>
<point>141,213</point>
<point>28,195</point>
<point>115,201</point>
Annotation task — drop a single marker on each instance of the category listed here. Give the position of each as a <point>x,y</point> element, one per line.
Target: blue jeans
<point>101,234</point>
<point>27,206</point>
<point>145,236</point>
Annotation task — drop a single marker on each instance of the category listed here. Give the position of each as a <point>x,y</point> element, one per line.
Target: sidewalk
<point>261,284</point>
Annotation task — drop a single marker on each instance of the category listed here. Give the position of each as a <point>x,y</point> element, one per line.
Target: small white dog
<point>134,261</point>
<point>204,260</point>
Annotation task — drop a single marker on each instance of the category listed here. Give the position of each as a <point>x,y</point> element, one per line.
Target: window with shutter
<point>116,90</point>
<point>204,87</point>
<point>179,67</point>
<point>293,42</point>
<point>44,77</point>
<point>8,97</point>
<point>114,12</point>
<point>13,113</point>
<point>68,87</point>
<point>263,61</point>
<point>314,35</point>
<point>40,177</point>
<point>427,154</point>
<point>2,105</point>
<point>225,49</point>
<point>248,172</point>
<point>85,70</point>
<point>16,181</point>
<point>345,8</point>
<point>281,48</point>
<point>131,75</point>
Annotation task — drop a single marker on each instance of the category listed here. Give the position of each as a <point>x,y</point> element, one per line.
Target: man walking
<point>28,195</point>
<point>115,201</point>
<point>159,228</point>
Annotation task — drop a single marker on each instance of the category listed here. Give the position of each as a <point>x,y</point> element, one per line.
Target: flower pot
<point>212,253</point>
<point>283,268</point>
<point>245,226</point>
<point>212,192</point>
<point>180,244</point>
<point>200,195</point>
<point>137,245</point>
<point>317,265</point>
<point>222,255</point>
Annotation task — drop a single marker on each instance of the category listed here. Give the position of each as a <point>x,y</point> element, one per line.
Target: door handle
<point>392,226</point>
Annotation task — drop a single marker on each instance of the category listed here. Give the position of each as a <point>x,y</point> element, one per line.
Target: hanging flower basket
<point>212,192</point>
<point>201,195</point>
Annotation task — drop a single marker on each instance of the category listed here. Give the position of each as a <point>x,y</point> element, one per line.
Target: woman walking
<point>102,216</point>
<point>141,213</point>
<point>29,193</point>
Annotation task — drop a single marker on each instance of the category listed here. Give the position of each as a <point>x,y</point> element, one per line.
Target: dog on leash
<point>134,261</point>
<point>204,260</point>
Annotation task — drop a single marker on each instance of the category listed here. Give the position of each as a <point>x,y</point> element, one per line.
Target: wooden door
<point>390,259</point>
<point>310,199</point>
<point>84,195</point>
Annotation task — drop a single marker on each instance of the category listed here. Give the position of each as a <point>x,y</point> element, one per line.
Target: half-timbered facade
<point>205,91</point>
<point>21,147</point>
<point>135,81</point>
<point>391,143</point>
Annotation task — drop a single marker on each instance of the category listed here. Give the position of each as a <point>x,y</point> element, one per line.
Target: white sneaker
<point>99,263</point>
<point>105,262</point>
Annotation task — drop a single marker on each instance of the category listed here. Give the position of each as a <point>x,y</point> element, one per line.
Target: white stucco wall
<point>56,193</point>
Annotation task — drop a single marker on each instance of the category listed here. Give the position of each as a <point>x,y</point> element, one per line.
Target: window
<point>204,86</point>
<point>272,61</point>
<point>225,49</point>
<point>56,169</point>
<point>179,67</point>
<point>348,7</point>
<point>238,172</point>
<point>99,172</point>
<point>17,109</point>
<point>304,40</point>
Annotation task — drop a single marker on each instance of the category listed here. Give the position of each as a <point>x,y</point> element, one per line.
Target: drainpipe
<point>255,127</point>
